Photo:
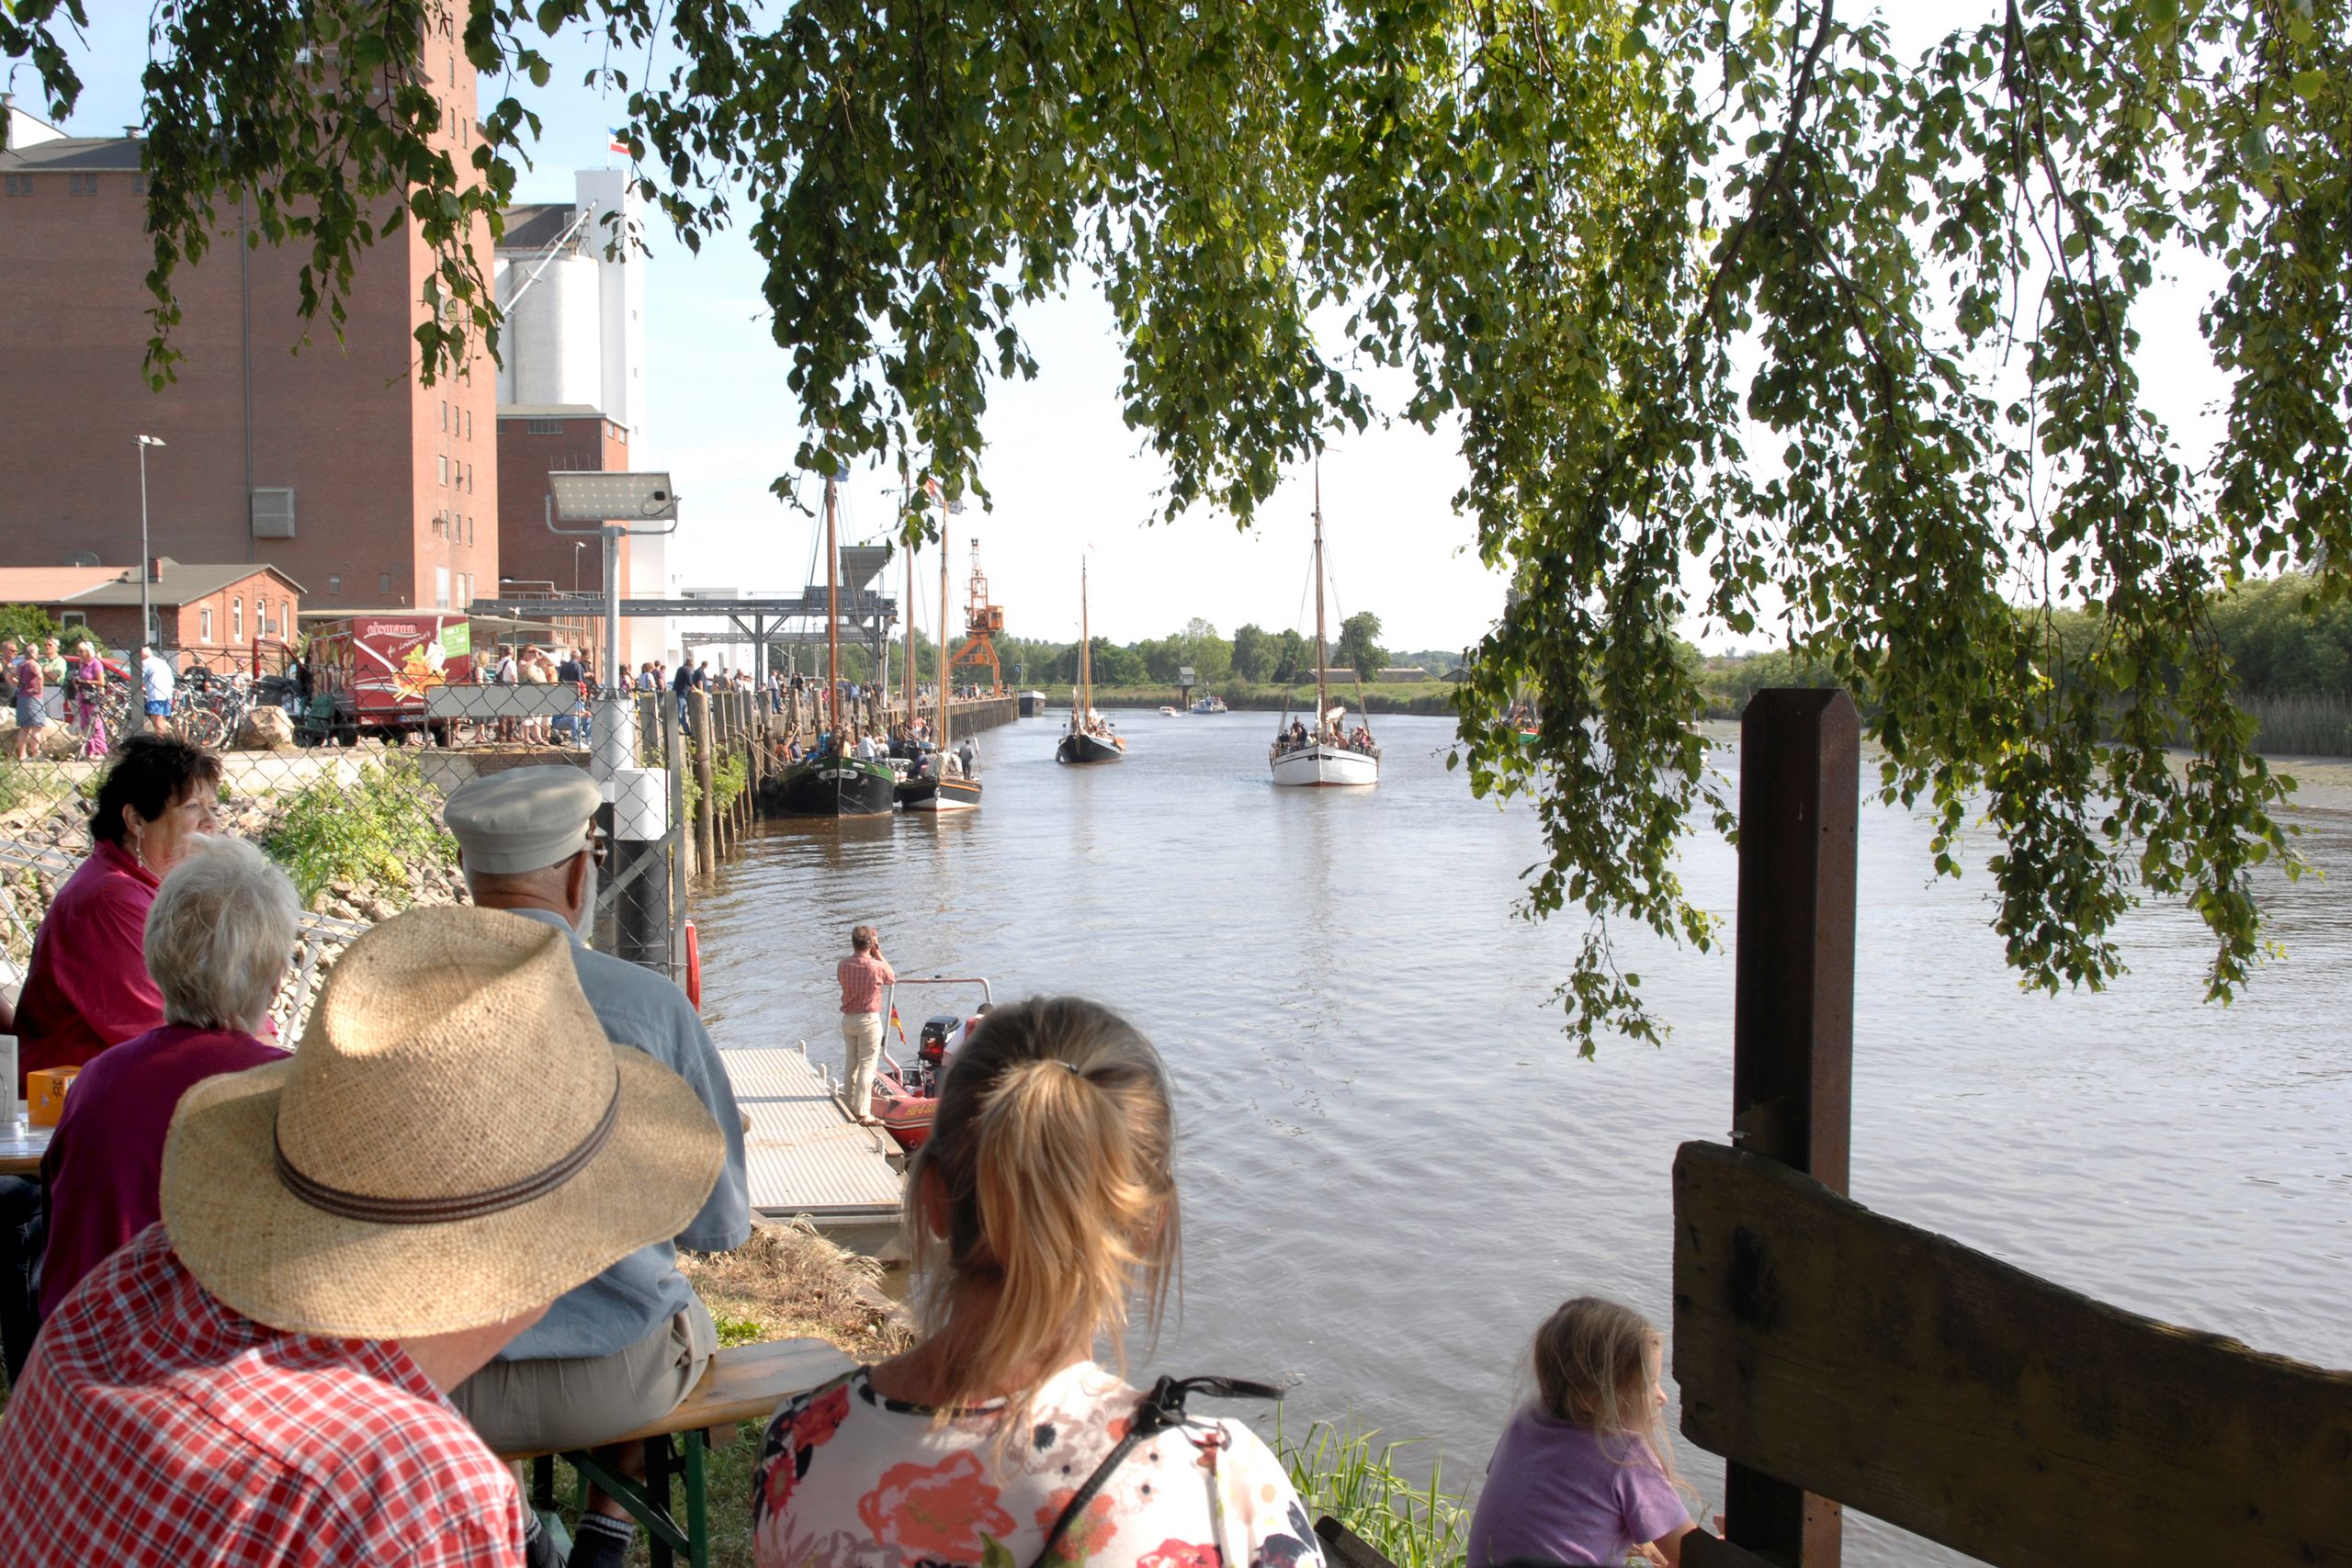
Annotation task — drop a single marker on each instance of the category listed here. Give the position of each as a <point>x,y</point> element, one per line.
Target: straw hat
<point>455,1143</point>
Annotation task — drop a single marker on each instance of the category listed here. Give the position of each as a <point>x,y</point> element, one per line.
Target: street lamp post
<point>146,610</point>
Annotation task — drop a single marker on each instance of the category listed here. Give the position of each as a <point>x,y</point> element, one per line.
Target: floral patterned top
<point>850,1479</point>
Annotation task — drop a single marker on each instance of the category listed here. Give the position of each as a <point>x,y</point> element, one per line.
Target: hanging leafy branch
<point>1741,320</point>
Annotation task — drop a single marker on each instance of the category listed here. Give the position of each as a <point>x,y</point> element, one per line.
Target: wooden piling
<point>1792,1016</point>
<point>706,791</point>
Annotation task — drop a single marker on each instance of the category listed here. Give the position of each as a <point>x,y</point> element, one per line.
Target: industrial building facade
<point>334,464</point>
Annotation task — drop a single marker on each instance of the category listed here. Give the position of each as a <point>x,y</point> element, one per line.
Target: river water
<point>1392,1166</point>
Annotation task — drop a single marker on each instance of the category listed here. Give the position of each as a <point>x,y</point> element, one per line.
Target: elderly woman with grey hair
<point>218,938</point>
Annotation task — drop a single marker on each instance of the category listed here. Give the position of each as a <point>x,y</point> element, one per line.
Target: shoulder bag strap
<point>1157,1411</point>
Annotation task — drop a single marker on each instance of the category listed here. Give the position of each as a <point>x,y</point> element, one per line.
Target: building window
<point>73,618</point>
<point>334,585</point>
<point>81,185</point>
<point>273,513</point>
<point>445,467</point>
<point>139,183</point>
<point>285,618</point>
<point>236,620</point>
<point>445,413</point>
<point>204,625</point>
<point>17,185</point>
<point>384,584</point>
<point>440,586</point>
<point>544,426</point>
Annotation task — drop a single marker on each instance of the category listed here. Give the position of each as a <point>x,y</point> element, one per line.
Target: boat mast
<point>1085,717</point>
<point>910,666</point>
<point>1322,696</point>
<point>833,621</point>
<point>943,636</point>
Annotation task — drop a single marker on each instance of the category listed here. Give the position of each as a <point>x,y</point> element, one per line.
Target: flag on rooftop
<point>620,134</point>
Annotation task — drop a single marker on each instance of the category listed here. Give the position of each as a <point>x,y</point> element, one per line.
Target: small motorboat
<point>906,1095</point>
<point>1210,704</point>
<point>1167,712</point>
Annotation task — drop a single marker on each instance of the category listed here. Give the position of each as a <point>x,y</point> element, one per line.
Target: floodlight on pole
<point>610,502</point>
<point>146,612</point>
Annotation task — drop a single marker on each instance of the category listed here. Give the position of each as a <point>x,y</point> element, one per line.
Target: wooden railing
<point>1838,1357</point>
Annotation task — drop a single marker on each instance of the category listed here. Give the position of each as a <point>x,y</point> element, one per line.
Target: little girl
<point>1585,1474</point>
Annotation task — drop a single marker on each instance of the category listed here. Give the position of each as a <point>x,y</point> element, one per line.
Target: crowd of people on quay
<point>283,1305</point>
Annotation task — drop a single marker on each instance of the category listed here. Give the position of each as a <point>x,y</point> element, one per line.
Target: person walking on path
<point>862,975</point>
<point>32,711</point>
<point>261,1380</point>
<point>156,682</point>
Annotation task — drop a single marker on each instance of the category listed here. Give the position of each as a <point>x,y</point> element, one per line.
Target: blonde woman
<point>1043,1208</point>
<point>1586,1473</point>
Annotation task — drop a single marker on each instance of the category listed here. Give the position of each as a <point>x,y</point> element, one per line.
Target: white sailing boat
<point>1323,752</point>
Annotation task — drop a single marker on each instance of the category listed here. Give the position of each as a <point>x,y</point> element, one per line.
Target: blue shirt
<point>644,1290</point>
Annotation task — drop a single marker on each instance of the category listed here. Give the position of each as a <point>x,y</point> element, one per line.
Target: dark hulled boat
<point>1080,746</point>
<point>1084,742</point>
<point>828,785</point>
<point>927,794</point>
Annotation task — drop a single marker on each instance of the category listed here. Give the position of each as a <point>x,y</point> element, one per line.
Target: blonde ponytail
<point>1049,1163</point>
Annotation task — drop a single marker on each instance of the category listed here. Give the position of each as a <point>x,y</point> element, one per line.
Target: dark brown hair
<point>151,773</point>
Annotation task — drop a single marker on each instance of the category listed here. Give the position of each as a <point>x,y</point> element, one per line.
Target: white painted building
<point>574,292</point>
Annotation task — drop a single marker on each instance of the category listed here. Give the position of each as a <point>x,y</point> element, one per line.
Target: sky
<point>1068,479</point>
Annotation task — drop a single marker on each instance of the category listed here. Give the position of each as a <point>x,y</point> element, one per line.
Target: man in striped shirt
<point>862,975</point>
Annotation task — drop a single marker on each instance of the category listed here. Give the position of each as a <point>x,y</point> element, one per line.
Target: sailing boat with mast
<point>1323,754</point>
<point>945,786</point>
<point>1089,738</point>
<point>829,782</point>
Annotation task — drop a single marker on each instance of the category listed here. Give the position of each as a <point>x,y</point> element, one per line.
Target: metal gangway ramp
<point>804,1154</point>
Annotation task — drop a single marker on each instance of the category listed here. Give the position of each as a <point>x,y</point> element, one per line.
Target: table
<point>21,1146</point>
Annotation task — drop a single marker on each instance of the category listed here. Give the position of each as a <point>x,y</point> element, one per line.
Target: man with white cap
<point>348,1235</point>
<point>624,1348</point>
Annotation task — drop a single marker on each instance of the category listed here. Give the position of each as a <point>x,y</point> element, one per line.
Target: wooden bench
<point>742,1385</point>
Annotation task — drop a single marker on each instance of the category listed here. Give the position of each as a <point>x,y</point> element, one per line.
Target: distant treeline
<point>1435,697</point>
<point>2292,651</point>
<point>1253,656</point>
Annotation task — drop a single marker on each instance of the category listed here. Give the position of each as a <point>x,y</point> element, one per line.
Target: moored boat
<point>829,782</point>
<point>906,1094</point>
<point>829,785</point>
<point>1210,704</point>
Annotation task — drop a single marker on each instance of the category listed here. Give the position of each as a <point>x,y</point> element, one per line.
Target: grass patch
<point>368,833</point>
<point>1340,1474</point>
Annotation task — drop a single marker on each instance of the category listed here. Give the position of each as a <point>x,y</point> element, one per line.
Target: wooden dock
<point>805,1156</point>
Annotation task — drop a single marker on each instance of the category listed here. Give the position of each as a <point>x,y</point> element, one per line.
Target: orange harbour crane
<point>982,623</point>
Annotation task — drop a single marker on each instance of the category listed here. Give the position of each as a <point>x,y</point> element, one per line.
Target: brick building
<point>333,464</point>
<point>535,441</point>
<point>208,615</point>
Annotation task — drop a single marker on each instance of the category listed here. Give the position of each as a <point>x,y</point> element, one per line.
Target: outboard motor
<point>932,1047</point>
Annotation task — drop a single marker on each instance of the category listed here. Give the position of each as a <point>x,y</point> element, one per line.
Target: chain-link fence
<point>357,827</point>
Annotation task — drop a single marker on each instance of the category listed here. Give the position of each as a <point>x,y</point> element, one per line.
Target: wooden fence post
<point>1792,1018</point>
<point>706,804</point>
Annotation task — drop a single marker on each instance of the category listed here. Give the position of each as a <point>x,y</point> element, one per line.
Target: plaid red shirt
<point>863,975</point>
<point>156,1428</point>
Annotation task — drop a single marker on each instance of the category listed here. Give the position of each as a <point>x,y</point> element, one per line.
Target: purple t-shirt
<point>105,1165</point>
<point>1556,1493</point>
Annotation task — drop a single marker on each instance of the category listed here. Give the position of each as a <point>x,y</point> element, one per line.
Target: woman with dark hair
<point>87,986</point>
